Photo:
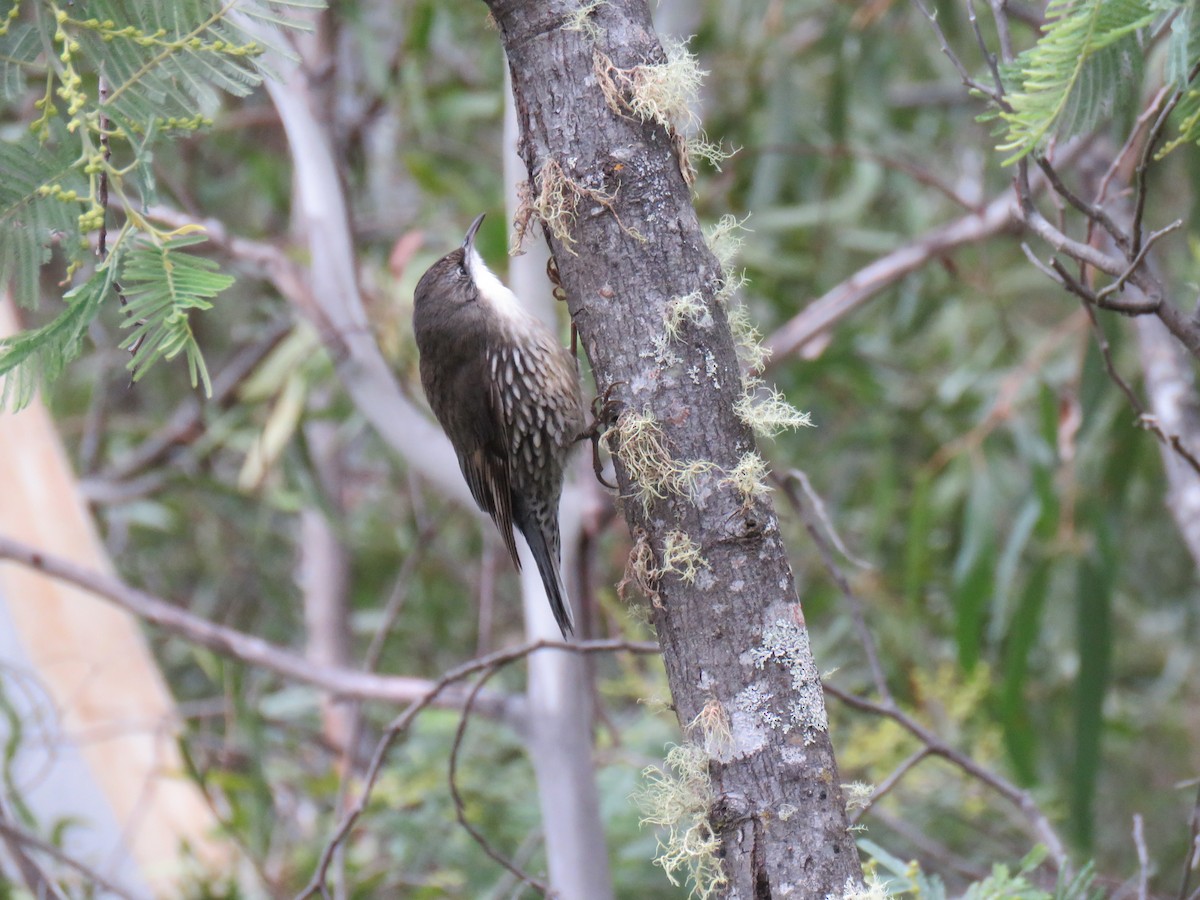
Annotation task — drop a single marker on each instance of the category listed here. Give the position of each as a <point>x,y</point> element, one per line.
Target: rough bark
<point>734,640</point>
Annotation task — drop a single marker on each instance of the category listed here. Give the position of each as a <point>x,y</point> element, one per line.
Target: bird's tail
<point>544,546</point>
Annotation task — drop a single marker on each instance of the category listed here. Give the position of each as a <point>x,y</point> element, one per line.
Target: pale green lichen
<point>711,728</point>
<point>858,795</point>
<point>678,798</point>
<point>580,19</point>
<point>700,147</point>
<point>747,340</point>
<point>681,556</point>
<point>725,239</point>
<point>556,202</point>
<point>767,411</point>
<point>690,308</point>
<point>638,440</point>
<point>640,570</point>
<point>872,889</point>
<point>749,477</point>
<point>665,93</point>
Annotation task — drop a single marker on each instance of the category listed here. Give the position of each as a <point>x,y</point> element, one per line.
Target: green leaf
<point>168,62</point>
<point>1179,47</point>
<point>37,211</point>
<point>20,47</point>
<point>974,568</point>
<point>1020,737</point>
<point>1085,64</point>
<point>162,285</point>
<point>1094,598</point>
<point>40,355</point>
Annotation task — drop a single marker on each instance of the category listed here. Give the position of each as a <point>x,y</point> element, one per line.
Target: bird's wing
<point>488,474</point>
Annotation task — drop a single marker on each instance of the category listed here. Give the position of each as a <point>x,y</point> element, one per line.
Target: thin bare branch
<point>43,885</point>
<point>228,641</point>
<point>1071,283</point>
<point>1148,115</point>
<point>988,55</point>
<point>1137,260</point>
<point>1145,419</point>
<point>1022,800</point>
<point>1001,214</point>
<point>1093,211</point>
<point>998,216</point>
<point>885,787</point>
<point>1042,267</point>
<point>1077,250</point>
<point>1000,11</point>
<point>460,810</point>
<point>1141,188</point>
<point>822,515</point>
<point>36,878</point>
<point>970,82</point>
<point>401,723</point>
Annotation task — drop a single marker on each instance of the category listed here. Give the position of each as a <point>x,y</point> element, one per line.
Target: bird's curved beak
<point>469,240</point>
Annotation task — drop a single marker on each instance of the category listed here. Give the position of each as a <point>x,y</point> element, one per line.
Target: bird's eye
<point>462,272</point>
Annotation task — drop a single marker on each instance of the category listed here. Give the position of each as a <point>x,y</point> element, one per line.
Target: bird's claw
<point>559,292</point>
<point>605,409</point>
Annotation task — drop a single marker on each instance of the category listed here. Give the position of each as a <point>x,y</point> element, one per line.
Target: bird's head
<point>461,278</point>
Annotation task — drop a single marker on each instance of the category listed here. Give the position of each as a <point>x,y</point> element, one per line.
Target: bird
<point>506,393</point>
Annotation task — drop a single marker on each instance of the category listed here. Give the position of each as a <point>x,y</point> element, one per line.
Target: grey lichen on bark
<point>733,634</point>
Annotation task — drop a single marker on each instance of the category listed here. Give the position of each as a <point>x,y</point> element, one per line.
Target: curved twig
<point>316,884</point>
<point>1037,819</point>
<point>460,811</point>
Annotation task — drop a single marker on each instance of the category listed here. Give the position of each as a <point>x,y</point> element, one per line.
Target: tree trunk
<point>95,740</point>
<point>733,636</point>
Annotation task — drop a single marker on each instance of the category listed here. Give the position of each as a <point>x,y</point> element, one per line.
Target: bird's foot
<point>605,409</point>
<point>559,292</point>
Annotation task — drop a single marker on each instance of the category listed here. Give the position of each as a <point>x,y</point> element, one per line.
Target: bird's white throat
<point>491,287</point>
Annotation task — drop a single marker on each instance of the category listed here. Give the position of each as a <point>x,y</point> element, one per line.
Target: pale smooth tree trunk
<point>555,720</point>
<point>98,727</point>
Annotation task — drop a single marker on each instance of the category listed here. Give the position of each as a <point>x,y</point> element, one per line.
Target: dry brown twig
<point>460,810</point>
<point>317,884</point>
<point>229,642</point>
<point>38,881</point>
<point>818,525</point>
<point>1038,822</point>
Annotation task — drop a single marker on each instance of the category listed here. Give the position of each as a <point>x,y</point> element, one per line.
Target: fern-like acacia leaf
<point>162,285</point>
<point>1086,61</point>
<point>41,195</point>
<point>39,356</point>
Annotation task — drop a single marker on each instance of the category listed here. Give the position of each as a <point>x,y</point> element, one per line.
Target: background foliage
<point>1031,596</point>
